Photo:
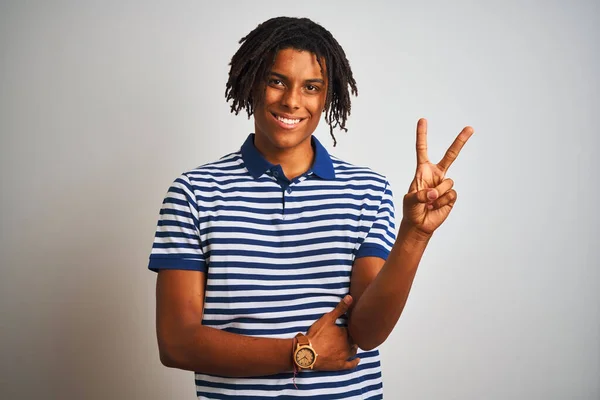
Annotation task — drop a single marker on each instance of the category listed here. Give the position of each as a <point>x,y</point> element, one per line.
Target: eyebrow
<point>285,78</point>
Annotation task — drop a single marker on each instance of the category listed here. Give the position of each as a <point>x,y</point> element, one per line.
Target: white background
<point>103,104</point>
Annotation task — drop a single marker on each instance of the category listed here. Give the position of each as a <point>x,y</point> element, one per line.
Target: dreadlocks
<point>251,64</point>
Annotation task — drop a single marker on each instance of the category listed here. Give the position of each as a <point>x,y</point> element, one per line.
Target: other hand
<point>431,196</point>
<point>331,342</point>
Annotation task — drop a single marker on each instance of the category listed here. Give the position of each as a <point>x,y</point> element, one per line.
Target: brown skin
<point>379,288</point>
<point>185,343</point>
<point>296,88</point>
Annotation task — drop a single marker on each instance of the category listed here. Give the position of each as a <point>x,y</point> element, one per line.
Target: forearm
<point>378,309</point>
<point>212,351</point>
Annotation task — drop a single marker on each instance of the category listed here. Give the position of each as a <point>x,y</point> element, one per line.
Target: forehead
<point>299,64</point>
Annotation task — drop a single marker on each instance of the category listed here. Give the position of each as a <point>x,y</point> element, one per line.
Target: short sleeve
<point>382,234</point>
<point>177,239</point>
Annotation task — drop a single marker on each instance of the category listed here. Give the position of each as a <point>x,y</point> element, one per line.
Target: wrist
<point>409,231</point>
<point>294,368</point>
<point>304,355</point>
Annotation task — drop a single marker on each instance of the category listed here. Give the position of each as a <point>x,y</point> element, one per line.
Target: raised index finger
<point>455,147</point>
<point>422,141</point>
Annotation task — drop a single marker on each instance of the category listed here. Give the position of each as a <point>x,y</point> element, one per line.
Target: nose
<point>291,99</point>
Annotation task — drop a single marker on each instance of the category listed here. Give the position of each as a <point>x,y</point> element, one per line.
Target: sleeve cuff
<point>158,263</point>
<point>372,251</point>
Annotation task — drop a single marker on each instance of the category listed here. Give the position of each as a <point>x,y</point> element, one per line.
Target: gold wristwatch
<point>304,354</point>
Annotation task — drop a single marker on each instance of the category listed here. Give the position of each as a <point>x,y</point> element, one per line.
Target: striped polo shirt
<point>277,254</point>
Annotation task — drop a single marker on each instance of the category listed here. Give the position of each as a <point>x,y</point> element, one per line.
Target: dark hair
<point>250,65</point>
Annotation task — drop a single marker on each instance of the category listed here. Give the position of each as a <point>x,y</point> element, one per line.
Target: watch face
<point>305,357</point>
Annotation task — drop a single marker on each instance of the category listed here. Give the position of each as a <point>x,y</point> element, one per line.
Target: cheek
<point>272,96</point>
<point>322,101</point>
<point>317,107</point>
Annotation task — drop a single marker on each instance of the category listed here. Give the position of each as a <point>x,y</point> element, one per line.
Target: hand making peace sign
<point>430,197</point>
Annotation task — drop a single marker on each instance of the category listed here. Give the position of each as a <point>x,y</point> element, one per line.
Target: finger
<point>341,308</point>
<point>427,195</point>
<point>351,364</point>
<point>422,141</point>
<point>441,190</point>
<point>353,351</point>
<point>443,187</point>
<point>455,147</point>
<point>447,199</point>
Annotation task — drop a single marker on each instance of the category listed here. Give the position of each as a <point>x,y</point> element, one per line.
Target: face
<point>294,100</point>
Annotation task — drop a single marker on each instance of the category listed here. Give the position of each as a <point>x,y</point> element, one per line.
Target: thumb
<point>341,308</point>
<point>422,196</point>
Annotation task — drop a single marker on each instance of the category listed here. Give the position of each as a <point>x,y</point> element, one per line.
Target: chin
<point>283,138</point>
<point>287,140</point>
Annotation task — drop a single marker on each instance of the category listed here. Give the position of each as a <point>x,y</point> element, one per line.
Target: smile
<point>287,122</point>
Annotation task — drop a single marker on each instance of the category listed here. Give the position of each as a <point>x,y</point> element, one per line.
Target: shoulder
<point>351,173</point>
<point>229,164</point>
<point>220,172</point>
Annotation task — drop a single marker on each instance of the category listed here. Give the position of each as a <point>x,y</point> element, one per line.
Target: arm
<point>381,288</point>
<point>186,344</point>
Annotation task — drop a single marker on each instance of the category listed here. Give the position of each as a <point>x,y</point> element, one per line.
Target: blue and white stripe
<point>277,256</point>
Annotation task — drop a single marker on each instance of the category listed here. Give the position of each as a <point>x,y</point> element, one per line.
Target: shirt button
<point>289,190</point>
<point>275,174</point>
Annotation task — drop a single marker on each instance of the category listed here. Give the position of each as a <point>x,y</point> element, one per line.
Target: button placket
<point>284,194</point>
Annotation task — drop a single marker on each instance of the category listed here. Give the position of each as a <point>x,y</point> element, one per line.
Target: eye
<point>275,82</point>
<point>312,88</point>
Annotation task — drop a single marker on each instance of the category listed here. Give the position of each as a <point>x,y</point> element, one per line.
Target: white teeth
<point>288,121</point>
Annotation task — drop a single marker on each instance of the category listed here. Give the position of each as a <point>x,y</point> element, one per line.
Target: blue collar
<point>258,165</point>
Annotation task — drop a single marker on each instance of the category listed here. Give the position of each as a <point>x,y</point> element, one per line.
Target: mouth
<point>286,122</point>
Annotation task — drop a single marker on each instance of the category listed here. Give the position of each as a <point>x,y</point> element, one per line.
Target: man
<point>278,264</point>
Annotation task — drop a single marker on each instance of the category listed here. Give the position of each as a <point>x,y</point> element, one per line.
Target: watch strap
<point>302,340</point>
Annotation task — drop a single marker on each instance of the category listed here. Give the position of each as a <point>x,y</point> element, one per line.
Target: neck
<point>294,161</point>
